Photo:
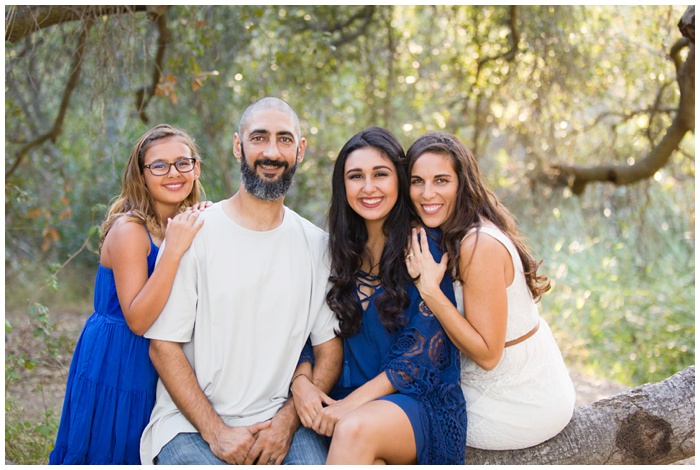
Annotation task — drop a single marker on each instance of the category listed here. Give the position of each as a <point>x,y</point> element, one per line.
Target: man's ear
<point>301,149</point>
<point>237,146</point>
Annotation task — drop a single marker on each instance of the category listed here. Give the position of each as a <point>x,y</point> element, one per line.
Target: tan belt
<point>523,337</point>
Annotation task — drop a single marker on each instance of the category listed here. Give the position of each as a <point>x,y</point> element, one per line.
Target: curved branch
<point>675,53</point>
<point>577,177</point>
<point>651,424</point>
<point>365,15</point>
<point>146,92</point>
<point>21,21</point>
<point>339,26</point>
<point>53,133</point>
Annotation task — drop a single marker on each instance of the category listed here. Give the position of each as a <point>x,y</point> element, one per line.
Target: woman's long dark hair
<point>348,237</point>
<point>474,200</point>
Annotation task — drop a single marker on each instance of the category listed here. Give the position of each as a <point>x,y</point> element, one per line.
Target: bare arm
<point>377,387</point>
<point>485,272</point>
<point>328,364</point>
<point>230,444</point>
<point>310,387</point>
<point>126,250</point>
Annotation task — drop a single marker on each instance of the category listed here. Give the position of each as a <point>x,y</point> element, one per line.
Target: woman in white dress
<point>517,388</point>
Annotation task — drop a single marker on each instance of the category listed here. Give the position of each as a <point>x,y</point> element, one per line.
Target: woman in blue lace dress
<point>398,399</point>
<point>111,382</point>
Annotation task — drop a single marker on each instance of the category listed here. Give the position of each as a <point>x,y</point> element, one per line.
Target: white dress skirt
<point>528,397</point>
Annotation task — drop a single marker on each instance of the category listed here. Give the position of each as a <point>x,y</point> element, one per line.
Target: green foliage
<point>623,277</point>
<point>28,441</point>
<point>31,341</point>
<point>42,328</point>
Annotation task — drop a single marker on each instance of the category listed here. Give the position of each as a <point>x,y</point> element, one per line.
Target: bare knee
<point>350,430</point>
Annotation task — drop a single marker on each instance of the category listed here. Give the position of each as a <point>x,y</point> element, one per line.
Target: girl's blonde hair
<point>135,201</point>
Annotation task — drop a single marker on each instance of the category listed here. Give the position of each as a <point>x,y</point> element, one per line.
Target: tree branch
<point>675,53</point>
<point>513,39</point>
<point>339,26</point>
<point>577,177</point>
<point>687,24</point>
<point>146,92</point>
<point>53,133</point>
<point>651,424</point>
<point>21,21</point>
<point>365,14</point>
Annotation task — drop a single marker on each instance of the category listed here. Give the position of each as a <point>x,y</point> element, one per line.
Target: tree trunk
<point>651,424</point>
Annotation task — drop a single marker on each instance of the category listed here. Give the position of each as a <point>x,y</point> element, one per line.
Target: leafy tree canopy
<point>538,92</point>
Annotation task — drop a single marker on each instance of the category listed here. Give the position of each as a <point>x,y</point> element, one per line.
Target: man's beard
<point>261,187</point>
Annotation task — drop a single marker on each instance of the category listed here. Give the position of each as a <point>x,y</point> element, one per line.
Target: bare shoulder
<point>125,228</point>
<point>482,248</point>
<point>124,235</point>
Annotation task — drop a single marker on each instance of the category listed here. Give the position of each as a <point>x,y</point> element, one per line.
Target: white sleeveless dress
<point>528,397</point>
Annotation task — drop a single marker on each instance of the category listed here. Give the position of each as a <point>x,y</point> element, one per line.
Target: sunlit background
<point>526,88</point>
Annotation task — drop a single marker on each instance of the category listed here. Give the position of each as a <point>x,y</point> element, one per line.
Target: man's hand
<point>272,443</point>
<point>232,444</point>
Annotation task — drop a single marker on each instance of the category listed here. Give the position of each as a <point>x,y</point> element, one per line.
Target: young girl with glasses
<point>111,382</point>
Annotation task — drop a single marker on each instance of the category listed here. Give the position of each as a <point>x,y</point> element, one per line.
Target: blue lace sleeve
<point>307,354</point>
<point>422,354</point>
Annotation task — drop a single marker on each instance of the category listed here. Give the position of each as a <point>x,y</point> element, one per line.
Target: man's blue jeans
<point>308,448</point>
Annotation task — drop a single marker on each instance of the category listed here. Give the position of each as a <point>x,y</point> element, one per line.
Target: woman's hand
<point>200,206</point>
<point>308,399</point>
<point>181,230</point>
<point>325,421</point>
<point>420,263</point>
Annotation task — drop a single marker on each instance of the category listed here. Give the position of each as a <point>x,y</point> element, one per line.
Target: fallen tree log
<point>651,424</point>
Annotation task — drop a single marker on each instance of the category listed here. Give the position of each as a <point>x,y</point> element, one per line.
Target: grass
<point>34,351</point>
<point>28,440</point>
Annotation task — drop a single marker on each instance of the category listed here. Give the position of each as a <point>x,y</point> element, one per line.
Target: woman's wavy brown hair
<point>473,202</point>
<point>135,201</point>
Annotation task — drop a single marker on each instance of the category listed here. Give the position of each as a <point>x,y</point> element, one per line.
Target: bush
<point>622,266</point>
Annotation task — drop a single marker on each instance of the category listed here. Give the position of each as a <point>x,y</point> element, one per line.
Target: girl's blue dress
<point>423,366</point>
<point>111,385</point>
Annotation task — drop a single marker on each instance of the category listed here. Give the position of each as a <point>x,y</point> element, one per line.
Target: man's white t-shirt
<point>243,304</point>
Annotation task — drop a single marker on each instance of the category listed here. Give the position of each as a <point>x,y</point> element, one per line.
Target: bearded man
<point>248,293</point>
